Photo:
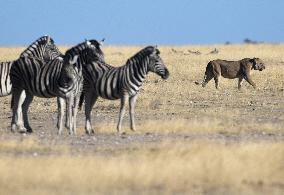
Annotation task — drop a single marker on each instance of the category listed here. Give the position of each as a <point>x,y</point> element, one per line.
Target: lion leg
<point>217,73</point>
<point>240,83</point>
<point>216,79</point>
<point>249,80</point>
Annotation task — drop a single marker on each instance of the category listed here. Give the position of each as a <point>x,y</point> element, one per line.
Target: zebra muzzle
<point>166,74</point>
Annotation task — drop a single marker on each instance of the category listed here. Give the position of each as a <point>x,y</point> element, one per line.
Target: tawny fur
<point>232,69</point>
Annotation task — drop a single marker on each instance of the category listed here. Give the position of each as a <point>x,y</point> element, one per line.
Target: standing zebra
<point>61,77</point>
<point>101,79</point>
<point>43,48</point>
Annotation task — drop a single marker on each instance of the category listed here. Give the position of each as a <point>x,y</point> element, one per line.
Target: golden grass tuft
<point>170,167</point>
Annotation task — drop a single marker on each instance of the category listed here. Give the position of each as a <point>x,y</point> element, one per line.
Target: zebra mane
<point>39,42</point>
<point>142,54</point>
<point>81,46</point>
<point>76,49</point>
<point>94,44</point>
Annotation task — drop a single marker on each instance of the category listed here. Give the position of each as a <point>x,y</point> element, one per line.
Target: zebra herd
<point>80,75</point>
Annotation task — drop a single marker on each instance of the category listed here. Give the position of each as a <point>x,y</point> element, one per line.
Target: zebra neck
<point>138,70</point>
<point>35,51</point>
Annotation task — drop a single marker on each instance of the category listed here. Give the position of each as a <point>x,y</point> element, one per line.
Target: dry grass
<point>198,167</point>
<point>175,106</point>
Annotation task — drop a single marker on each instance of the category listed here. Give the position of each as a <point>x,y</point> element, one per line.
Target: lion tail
<point>203,82</point>
<point>197,83</point>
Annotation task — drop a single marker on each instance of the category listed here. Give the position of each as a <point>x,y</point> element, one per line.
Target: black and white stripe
<point>5,82</point>
<point>61,77</point>
<point>102,80</point>
<point>43,49</point>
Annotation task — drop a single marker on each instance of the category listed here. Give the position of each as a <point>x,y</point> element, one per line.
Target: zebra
<point>43,48</point>
<point>124,82</point>
<point>61,78</point>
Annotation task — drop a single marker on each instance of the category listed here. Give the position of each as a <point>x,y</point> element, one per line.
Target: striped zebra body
<point>37,77</point>
<point>61,77</point>
<point>5,82</point>
<point>43,49</point>
<point>102,80</point>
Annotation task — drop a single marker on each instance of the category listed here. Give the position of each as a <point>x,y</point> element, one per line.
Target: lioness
<point>231,70</point>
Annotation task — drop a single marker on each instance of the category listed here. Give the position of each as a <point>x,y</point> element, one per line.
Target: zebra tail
<point>82,97</point>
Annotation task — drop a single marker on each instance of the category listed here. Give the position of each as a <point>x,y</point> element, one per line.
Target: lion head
<point>257,64</point>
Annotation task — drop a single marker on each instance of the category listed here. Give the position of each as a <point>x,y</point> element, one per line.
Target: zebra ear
<point>88,42</point>
<point>102,42</point>
<point>74,60</point>
<point>48,39</point>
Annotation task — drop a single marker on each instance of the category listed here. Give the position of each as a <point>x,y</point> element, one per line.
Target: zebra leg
<point>25,107</point>
<point>132,102</point>
<point>17,118</point>
<point>61,107</point>
<point>58,112</point>
<point>15,103</point>
<point>69,103</point>
<point>67,118</point>
<point>90,100</point>
<point>123,102</point>
<point>74,113</point>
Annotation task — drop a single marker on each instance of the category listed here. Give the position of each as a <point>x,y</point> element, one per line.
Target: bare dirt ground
<point>45,132</point>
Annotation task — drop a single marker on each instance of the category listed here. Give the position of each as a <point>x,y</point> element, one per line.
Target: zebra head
<point>156,63</point>
<point>51,51</point>
<point>75,58</point>
<point>43,48</point>
<point>69,74</point>
<point>95,52</point>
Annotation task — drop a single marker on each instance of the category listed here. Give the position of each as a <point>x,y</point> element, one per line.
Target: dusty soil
<point>45,132</point>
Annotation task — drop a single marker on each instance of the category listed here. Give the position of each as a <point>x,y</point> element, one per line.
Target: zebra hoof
<point>13,128</point>
<point>133,129</point>
<point>22,130</point>
<point>120,133</point>
<point>29,130</point>
<point>90,132</point>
